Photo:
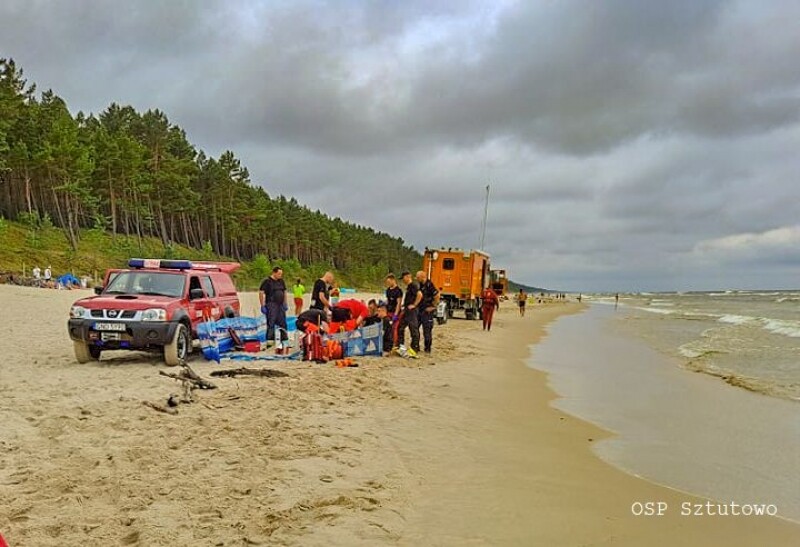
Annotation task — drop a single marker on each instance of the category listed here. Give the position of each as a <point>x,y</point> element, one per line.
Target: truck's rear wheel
<point>85,353</point>
<point>176,352</point>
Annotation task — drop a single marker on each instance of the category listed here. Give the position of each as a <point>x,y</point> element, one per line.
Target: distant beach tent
<point>68,280</point>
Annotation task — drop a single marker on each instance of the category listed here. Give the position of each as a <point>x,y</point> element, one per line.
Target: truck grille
<point>121,314</point>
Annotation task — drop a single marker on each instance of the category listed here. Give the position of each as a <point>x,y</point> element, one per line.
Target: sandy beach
<point>458,448</point>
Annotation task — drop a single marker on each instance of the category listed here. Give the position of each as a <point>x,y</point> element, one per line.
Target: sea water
<point>672,426</point>
<point>751,339</point>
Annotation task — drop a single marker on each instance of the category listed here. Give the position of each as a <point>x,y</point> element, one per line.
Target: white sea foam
<point>736,319</point>
<point>606,302</point>
<point>689,352</point>
<point>656,310</point>
<point>776,326</point>
<point>782,326</point>
<point>659,302</point>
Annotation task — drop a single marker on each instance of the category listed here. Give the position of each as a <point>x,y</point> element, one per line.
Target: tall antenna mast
<point>485,216</point>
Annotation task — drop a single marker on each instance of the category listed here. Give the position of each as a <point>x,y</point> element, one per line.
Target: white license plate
<point>118,327</point>
<point>110,336</point>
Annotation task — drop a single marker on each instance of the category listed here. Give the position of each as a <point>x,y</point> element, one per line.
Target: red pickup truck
<point>152,305</point>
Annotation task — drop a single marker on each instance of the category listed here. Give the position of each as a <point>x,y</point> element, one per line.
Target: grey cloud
<point>616,135</point>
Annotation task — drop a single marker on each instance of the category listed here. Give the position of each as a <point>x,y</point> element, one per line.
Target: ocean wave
<point>737,319</point>
<point>690,353</point>
<point>782,326</point>
<point>659,302</point>
<point>605,302</point>
<point>697,353</point>
<point>789,390</point>
<point>656,310</point>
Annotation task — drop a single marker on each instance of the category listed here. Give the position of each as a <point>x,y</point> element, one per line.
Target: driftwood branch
<point>263,372</point>
<point>190,381</point>
<point>187,375</point>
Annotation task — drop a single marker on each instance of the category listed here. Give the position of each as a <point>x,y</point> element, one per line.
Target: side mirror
<point>194,294</point>
<point>98,290</point>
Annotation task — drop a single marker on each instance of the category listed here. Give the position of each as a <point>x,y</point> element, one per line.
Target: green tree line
<point>136,175</point>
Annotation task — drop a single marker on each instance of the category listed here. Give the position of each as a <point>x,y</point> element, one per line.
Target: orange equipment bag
<point>334,350</point>
<point>313,349</point>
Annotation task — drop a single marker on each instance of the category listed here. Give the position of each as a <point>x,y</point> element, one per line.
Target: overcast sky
<point>630,145</point>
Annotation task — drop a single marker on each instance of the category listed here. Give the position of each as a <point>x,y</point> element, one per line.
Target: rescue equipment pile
<point>245,339</point>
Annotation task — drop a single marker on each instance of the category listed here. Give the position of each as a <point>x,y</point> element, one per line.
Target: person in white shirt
<point>37,273</point>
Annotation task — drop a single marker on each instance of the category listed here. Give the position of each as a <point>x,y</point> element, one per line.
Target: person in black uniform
<point>394,302</point>
<point>410,313</point>
<point>427,308</point>
<point>272,295</point>
<point>320,294</point>
<point>312,316</point>
<point>394,296</point>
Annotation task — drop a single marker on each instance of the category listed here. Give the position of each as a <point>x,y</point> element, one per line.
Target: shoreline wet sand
<point>458,448</point>
<point>720,441</point>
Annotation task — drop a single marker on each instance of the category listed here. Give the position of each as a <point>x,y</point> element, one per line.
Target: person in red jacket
<point>350,312</point>
<point>489,302</point>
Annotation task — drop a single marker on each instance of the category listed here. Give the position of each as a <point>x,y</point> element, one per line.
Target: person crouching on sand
<point>489,303</point>
<point>349,313</point>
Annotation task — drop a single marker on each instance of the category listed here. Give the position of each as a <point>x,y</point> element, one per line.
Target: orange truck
<point>499,282</point>
<point>460,276</point>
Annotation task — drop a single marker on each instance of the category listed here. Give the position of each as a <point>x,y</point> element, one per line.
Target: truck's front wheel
<point>175,352</point>
<point>85,353</point>
<point>442,319</point>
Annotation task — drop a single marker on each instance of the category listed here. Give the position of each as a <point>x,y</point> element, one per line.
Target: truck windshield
<point>148,283</point>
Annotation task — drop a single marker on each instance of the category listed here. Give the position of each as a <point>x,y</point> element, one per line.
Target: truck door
<point>448,268</point>
<point>215,305</point>
<point>201,307</point>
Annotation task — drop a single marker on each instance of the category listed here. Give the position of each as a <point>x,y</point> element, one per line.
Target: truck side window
<point>194,283</point>
<point>449,264</point>
<point>208,287</point>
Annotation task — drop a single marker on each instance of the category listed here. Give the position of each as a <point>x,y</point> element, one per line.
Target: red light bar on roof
<point>155,263</point>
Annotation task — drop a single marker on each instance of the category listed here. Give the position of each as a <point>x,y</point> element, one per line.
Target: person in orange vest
<point>489,303</point>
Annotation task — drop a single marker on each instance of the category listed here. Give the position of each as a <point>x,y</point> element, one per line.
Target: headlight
<point>154,314</point>
<point>76,312</point>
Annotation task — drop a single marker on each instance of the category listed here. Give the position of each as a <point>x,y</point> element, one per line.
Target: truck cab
<point>152,305</point>
<point>499,283</point>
